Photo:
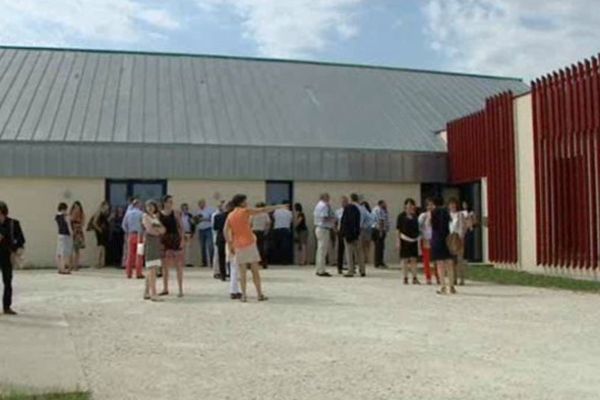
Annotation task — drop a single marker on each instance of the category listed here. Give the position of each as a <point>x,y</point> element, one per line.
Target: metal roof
<point>87,98</point>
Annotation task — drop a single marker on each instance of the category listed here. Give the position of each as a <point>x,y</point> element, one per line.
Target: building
<point>94,125</point>
<point>536,158</point>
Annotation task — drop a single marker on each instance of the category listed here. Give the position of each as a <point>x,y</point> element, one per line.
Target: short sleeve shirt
<point>408,225</point>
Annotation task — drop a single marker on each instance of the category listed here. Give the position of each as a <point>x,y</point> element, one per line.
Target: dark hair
<point>229,206</point>
<point>354,197</point>
<point>3,208</point>
<point>380,202</point>
<point>78,204</point>
<point>438,201</point>
<point>166,198</point>
<point>62,206</point>
<point>260,204</point>
<point>238,200</point>
<point>366,205</point>
<point>430,200</point>
<point>410,201</point>
<point>154,204</point>
<point>298,207</point>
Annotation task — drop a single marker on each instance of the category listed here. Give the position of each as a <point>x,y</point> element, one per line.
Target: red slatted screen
<point>566,119</point>
<point>483,145</point>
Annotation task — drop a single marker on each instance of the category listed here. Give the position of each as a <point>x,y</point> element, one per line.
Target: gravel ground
<point>370,338</point>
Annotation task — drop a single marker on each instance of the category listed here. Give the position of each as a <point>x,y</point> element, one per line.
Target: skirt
<point>302,237</point>
<point>408,249</point>
<point>64,246</point>
<point>439,250</point>
<point>247,255</point>
<point>152,251</point>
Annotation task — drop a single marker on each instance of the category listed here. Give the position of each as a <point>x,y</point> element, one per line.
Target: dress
<point>77,221</point>
<point>440,222</point>
<point>102,229</point>
<point>301,229</point>
<point>408,225</point>
<point>171,240</point>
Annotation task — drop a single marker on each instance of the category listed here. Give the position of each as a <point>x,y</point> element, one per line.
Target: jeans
<point>205,236</point>
<point>7,275</point>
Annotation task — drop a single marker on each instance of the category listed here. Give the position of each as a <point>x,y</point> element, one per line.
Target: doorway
<point>280,242</point>
<point>471,194</point>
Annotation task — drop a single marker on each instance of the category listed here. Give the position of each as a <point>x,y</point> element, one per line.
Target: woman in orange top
<point>242,242</point>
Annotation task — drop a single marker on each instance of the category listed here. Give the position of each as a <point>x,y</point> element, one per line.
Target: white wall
<point>34,202</point>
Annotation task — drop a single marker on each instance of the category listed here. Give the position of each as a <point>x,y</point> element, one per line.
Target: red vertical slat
<point>537,171</point>
<point>594,129</point>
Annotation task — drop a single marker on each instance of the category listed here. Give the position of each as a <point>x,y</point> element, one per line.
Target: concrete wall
<point>307,193</point>
<point>34,201</point>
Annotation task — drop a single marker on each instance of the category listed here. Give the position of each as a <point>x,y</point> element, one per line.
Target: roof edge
<point>249,58</point>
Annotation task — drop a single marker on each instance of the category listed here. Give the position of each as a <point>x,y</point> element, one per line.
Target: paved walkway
<point>336,338</point>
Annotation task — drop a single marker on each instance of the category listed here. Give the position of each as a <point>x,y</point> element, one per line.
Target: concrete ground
<point>370,338</point>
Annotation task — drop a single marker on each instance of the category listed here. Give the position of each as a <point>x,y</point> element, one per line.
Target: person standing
<point>101,227</point>
<point>324,222</point>
<point>457,240</point>
<point>381,227</point>
<point>366,229</point>
<point>132,226</point>
<point>203,220</point>
<point>219,228</point>
<point>77,220</point>
<point>172,241</point>
<point>260,226</point>
<point>408,239</point>
<point>153,230</point>
<point>440,253</point>
<point>116,238</point>
<point>425,231</point>
<point>242,242</point>
<point>11,240</point>
<point>351,228</point>
<point>341,248</point>
<point>301,233</point>
<point>282,235</point>
<point>187,221</point>
<point>64,246</point>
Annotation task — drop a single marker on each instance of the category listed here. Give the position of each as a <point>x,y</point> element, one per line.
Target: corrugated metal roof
<point>78,96</point>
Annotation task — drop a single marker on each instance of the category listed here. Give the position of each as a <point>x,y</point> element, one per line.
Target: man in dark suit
<point>11,240</point>
<point>350,231</point>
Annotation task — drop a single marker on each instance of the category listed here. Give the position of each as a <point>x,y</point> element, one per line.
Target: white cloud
<point>291,28</point>
<point>523,38</point>
<point>65,22</point>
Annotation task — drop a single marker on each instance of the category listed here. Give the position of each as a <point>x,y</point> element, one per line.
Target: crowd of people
<point>154,237</point>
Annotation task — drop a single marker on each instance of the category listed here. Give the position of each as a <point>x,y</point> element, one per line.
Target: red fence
<point>566,119</point>
<point>483,145</point>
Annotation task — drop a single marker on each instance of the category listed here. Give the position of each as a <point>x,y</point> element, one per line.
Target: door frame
<point>290,191</point>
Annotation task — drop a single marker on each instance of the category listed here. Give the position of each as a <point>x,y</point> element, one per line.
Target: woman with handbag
<point>172,242</point>
<point>440,252</point>
<point>151,247</point>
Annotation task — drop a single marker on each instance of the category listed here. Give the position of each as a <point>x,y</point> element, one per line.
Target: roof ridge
<point>259,59</point>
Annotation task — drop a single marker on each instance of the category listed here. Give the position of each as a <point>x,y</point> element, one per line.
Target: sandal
<point>164,293</point>
<point>442,291</point>
<point>156,299</point>
<point>262,297</point>
<point>180,295</point>
<point>147,297</point>
<point>243,299</point>
<point>452,290</point>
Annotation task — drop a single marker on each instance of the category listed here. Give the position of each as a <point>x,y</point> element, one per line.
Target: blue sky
<point>523,38</point>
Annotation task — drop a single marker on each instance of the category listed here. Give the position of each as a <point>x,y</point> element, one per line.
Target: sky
<point>518,38</point>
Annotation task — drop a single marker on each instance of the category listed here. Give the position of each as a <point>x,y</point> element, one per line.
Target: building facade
<point>95,125</point>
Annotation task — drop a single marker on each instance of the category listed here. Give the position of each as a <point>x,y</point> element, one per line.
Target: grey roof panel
<point>92,97</point>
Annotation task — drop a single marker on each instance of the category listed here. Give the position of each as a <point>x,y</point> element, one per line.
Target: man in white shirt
<point>381,226</point>
<point>282,236</point>
<point>324,219</point>
<point>203,219</point>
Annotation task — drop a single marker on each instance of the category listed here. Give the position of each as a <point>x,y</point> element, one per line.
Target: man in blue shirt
<point>203,220</point>
<point>132,225</point>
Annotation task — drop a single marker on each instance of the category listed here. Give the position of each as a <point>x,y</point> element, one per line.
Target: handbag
<point>455,244</point>
<point>140,249</point>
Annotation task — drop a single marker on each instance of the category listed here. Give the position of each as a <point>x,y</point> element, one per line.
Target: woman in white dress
<point>152,248</point>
